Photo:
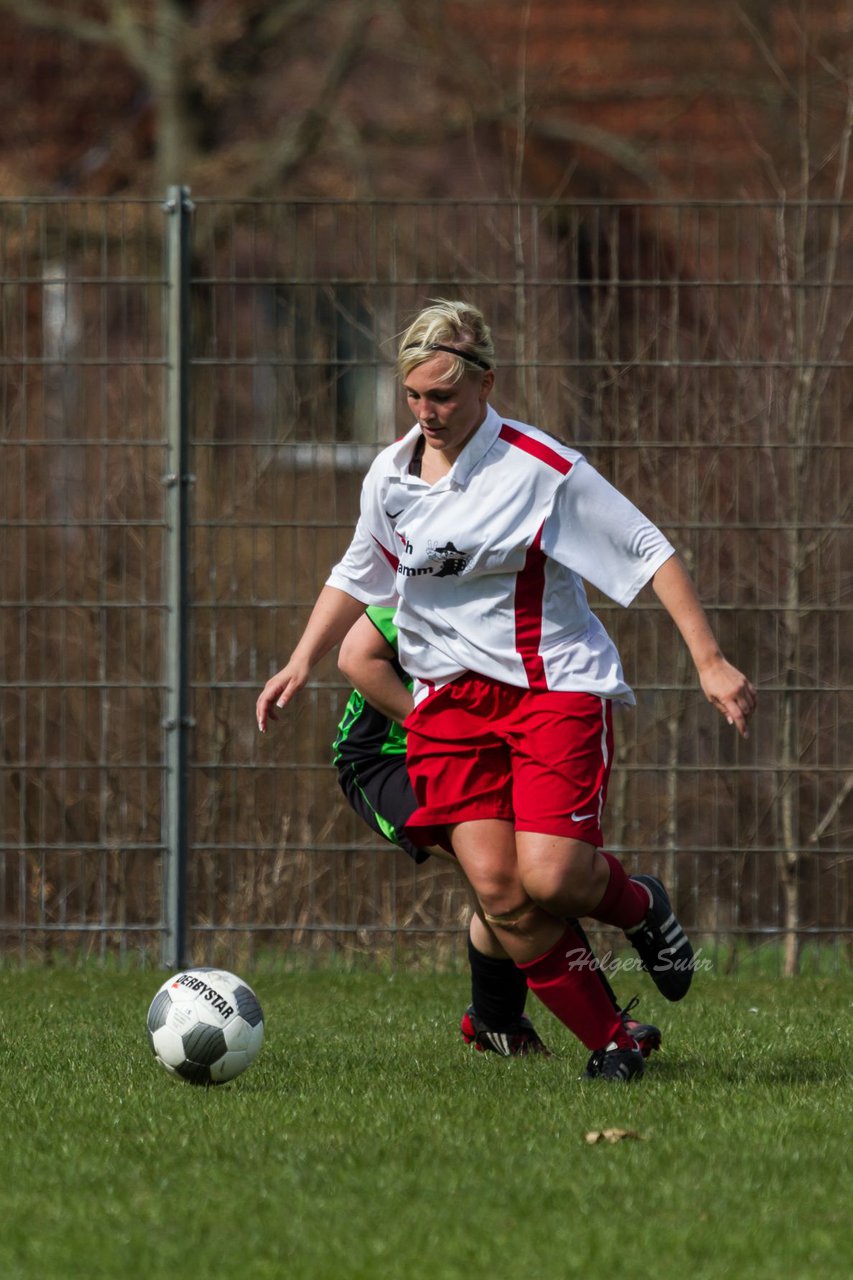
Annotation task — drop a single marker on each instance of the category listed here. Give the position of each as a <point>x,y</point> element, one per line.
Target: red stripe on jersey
<point>529,597</point>
<point>389,555</point>
<point>537,448</point>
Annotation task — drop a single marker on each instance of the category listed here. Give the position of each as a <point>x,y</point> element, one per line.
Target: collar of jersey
<point>476,448</point>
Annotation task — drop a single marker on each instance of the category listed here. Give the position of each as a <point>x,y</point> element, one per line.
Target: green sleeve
<point>383,620</point>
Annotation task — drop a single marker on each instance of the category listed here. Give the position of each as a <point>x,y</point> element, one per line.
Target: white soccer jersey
<point>486,565</point>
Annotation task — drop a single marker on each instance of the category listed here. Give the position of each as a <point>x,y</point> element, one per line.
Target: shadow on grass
<point>772,1068</point>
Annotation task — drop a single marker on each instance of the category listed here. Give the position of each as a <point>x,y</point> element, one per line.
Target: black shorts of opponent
<point>381,794</point>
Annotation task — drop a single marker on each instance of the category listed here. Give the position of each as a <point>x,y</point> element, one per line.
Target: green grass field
<point>368,1143</point>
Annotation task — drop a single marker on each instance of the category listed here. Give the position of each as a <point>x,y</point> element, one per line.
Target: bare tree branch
<point>766,52</point>
<point>842,794</point>
<point>290,151</point>
<point>628,155</point>
<point>45,16</point>
<point>119,29</point>
<point>128,34</point>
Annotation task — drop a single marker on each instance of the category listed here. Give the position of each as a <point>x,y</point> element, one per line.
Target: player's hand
<point>731,693</point>
<point>278,691</point>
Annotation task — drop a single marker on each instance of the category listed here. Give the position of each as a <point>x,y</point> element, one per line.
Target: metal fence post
<point>177,722</point>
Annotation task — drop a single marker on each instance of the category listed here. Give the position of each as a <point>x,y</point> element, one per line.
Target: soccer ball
<point>205,1025</point>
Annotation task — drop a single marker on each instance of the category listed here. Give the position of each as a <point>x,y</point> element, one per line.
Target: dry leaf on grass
<point>612,1135</point>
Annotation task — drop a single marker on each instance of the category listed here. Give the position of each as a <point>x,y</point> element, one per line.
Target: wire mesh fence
<point>699,354</point>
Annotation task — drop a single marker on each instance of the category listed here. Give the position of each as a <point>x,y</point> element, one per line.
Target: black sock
<point>498,990</point>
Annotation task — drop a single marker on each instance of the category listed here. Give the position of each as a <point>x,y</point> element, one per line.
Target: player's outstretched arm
<point>367,660</point>
<point>331,618</point>
<point>724,686</point>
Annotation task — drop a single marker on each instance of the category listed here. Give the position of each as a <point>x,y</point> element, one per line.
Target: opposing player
<point>369,754</point>
<point>483,528</point>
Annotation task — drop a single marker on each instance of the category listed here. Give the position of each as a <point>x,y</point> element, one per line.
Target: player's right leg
<point>495,1020</point>
<point>380,792</point>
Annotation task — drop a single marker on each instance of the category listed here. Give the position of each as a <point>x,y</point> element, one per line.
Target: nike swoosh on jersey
<point>392,515</point>
<point>582,817</point>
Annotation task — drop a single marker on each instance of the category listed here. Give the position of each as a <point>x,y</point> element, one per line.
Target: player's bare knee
<point>546,861</point>
<point>562,890</point>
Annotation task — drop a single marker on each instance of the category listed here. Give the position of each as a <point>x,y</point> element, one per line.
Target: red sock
<point>569,986</point>
<point>625,902</point>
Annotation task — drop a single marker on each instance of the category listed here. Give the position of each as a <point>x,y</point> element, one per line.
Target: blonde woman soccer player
<point>482,529</point>
<point>370,757</point>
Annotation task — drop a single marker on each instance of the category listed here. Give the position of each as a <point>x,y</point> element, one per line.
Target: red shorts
<point>478,748</point>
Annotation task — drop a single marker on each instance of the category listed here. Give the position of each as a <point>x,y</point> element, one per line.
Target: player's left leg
<point>562,875</point>
<point>563,748</point>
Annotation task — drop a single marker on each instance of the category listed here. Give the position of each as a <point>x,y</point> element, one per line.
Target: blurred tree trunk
<point>166,62</point>
<point>154,44</point>
<point>181,57</point>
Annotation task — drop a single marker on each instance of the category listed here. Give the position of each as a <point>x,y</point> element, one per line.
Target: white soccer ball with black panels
<point>205,1025</point>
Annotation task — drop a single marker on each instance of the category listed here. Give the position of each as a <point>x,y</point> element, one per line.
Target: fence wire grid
<point>190,395</point>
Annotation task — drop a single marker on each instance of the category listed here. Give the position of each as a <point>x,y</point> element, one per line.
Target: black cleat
<point>613,1063</point>
<point>662,944</point>
<point>519,1041</point>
